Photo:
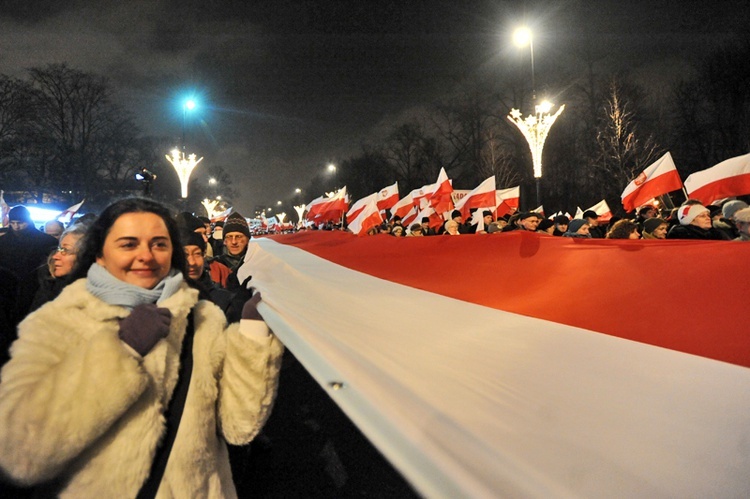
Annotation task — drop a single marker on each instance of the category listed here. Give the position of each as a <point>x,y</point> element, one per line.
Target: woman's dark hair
<point>622,229</point>
<point>93,242</point>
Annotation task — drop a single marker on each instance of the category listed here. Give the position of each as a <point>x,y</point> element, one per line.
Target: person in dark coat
<point>22,251</point>
<point>695,223</point>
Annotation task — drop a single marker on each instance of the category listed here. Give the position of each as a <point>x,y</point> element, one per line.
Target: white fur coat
<point>80,409</point>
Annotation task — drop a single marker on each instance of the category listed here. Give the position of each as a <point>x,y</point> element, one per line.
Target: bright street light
<point>522,37</point>
<point>212,181</point>
<point>298,191</point>
<point>278,203</point>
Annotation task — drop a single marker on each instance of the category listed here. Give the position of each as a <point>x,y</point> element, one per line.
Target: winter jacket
<point>84,413</point>
<point>695,232</point>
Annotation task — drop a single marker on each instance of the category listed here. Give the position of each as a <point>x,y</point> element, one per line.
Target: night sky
<point>293,85</point>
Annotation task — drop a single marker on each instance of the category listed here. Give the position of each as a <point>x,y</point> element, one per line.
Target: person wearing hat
<point>546,226</point>
<point>561,225</point>
<point>726,222</point>
<point>528,221</point>
<point>742,219</point>
<point>695,223</point>
<point>655,228</point>
<point>457,217</point>
<point>217,271</point>
<point>426,229</point>
<point>595,230</point>
<point>236,238</point>
<point>22,251</point>
<point>415,230</point>
<point>578,228</point>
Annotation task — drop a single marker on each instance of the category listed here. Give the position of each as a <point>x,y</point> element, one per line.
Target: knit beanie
<point>742,216</point>
<point>544,225</point>
<point>576,224</point>
<point>188,221</point>
<point>190,238</point>
<point>455,214</point>
<point>686,214</point>
<point>731,207</point>
<point>236,223</point>
<point>19,214</point>
<point>651,224</point>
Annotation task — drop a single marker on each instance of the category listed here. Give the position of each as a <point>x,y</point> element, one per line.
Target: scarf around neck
<point>105,286</point>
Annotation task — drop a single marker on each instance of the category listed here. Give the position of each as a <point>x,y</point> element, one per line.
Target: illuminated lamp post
<point>184,166</point>
<point>210,206</point>
<point>535,128</point>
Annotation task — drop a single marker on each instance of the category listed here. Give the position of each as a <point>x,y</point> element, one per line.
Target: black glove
<point>144,327</point>
<point>250,308</point>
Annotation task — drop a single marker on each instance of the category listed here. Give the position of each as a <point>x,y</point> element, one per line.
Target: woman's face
<point>138,250</point>
<point>65,256</point>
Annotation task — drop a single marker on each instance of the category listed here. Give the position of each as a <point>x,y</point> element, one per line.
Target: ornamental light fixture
<point>184,166</point>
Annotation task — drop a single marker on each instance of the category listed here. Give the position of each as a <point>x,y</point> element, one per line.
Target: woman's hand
<point>145,326</point>
<point>250,308</point>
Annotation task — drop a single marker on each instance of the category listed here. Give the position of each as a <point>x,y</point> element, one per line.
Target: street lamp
<point>184,166</point>
<point>522,37</point>
<point>535,128</point>
<point>210,206</point>
<point>187,105</point>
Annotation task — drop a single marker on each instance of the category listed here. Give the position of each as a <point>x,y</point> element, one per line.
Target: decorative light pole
<point>184,166</point>
<point>210,206</point>
<point>535,128</point>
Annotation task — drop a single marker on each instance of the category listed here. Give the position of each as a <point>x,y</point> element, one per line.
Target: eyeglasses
<point>65,251</point>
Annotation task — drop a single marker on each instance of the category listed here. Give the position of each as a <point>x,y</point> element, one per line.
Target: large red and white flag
<point>359,205</point>
<point>659,178</point>
<point>728,178</point>
<point>435,220</point>
<point>482,197</point>
<point>440,199</point>
<point>507,200</point>
<point>367,218</point>
<point>410,217</point>
<point>505,387</point>
<point>388,196</point>
<point>67,215</point>
<point>220,217</point>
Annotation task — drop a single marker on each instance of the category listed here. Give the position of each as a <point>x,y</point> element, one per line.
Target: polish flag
<point>728,178</point>
<point>602,209</point>
<point>435,219</point>
<point>67,215</point>
<point>506,200</point>
<point>220,217</point>
<point>403,206</point>
<point>369,216</point>
<point>410,217</point>
<point>483,196</point>
<point>328,208</point>
<point>358,206</point>
<point>421,196</point>
<point>539,209</point>
<point>388,197</point>
<point>492,393</point>
<point>659,178</point>
<point>440,199</point>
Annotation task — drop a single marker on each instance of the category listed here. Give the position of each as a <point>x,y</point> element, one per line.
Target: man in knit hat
<point>655,228</point>
<point>236,238</point>
<point>695,223</point>
<point>726,222</point>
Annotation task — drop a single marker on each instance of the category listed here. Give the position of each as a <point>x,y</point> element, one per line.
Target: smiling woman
<point>100,344</point>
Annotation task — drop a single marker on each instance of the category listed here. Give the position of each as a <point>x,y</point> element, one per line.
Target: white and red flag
<point>659,178</point>
<point>435,219</point>
<point>220,217</point>
<point>440,199</point>
<point>421,197</point>
<point>507,200</point>
<point>329,208</point>
<point>367,218</point>
<point>388,196</point>
<point>602,209</point>
<point>359,205</point>
<point>66,215</point>
<point>728,178</point>
<point>482,197</point>
<point>505,386</point>
<point>410,217</point>
<point>403,206</point>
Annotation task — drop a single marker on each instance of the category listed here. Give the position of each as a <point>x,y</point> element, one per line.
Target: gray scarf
<point>103,285</point>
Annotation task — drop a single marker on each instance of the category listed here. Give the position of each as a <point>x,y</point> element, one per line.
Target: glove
<point>250,308</point>
<point>144,327</point>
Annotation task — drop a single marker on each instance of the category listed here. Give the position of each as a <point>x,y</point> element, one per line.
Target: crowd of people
<point>88,380</point>
<point>725,222</point>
